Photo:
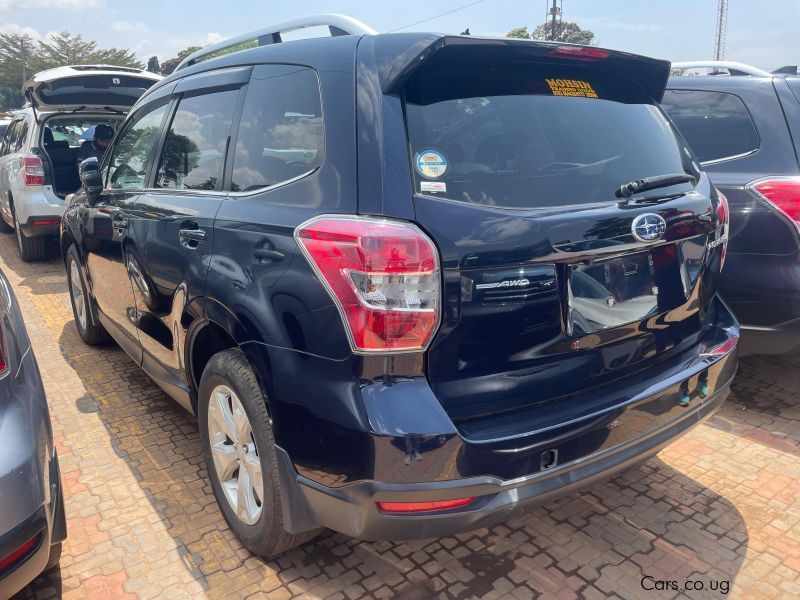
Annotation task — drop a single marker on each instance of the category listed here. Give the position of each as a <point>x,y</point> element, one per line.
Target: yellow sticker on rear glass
<point>571,87</point>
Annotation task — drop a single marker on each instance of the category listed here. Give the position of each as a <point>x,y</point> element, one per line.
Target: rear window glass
<point>280,133</point>
<point>534,136</point>
<point>111,90</point>
<point>715,124</point>
<point>74,132</point>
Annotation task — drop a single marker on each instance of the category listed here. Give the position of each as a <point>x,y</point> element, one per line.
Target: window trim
<point>234,138</point>
<point>721,159</point>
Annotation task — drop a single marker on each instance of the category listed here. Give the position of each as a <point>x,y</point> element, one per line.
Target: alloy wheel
<point>237,464</point>
<point>76,288</point>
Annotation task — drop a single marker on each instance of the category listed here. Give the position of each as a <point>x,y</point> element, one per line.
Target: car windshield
<point>549,138</point>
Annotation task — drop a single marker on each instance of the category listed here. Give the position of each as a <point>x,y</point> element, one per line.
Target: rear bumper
<point>778,339</point>
<point>624,435</point>
<point>352,509</point>
<point>22,573</point>
<point>39,211</point>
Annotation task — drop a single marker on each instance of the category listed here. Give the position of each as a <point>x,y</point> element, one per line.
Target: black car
<point>411,284</point>
<point>744,126</point>
<point>32,519</point>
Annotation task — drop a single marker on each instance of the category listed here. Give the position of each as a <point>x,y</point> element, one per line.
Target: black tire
<point>31,248</point>
<point>55,556</point>
<point>266,537</point>
<point>93,334</point>
<point>5,227</point>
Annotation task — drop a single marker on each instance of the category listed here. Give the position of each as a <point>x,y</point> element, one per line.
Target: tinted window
<point>535,136</point>
<point>134,148</point>
<point>8,138</point>
<point>194,150</point>
<point>280,134</point>
<point>716,125</point>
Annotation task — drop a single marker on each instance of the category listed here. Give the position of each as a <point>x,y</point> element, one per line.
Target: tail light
<point>721,349</point>
<point>723,226</point>
<point>413,507</point>
<point>579,52</point>
<point>783,193</point>
<point>383,276</point>
<point>32,170</point>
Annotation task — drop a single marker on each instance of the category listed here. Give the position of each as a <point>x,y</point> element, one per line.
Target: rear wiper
<point>627,190</point>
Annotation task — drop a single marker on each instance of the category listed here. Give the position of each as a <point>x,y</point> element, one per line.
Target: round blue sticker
<point>431,163</point>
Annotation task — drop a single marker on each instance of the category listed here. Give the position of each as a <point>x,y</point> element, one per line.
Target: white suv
<point>39,151</point>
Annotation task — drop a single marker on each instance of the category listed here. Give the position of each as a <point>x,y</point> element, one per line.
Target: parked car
<point>410,284</point>
<point>744,126</point>
<point>3,126</point>
<point>39,152</point>
<point>32,520</point>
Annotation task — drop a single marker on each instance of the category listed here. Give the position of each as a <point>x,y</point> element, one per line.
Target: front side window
<point>127,168</point>
<point>715,124</point>
<point>194,151</point>
<point>280,134</point>
<point>535,136</point>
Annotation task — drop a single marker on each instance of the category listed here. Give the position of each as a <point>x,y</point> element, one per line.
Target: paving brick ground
<point>718,507</point>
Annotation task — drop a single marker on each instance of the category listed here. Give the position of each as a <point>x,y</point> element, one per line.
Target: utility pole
<point>554,12</point>
<point>722,25</point>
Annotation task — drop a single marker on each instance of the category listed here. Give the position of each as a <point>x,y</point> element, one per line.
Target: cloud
<point>213,37</point>
<point>56,4</point>
<point>130,27</point>
<point>21,30</point>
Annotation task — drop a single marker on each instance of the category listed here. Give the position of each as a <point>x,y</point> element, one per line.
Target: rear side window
<point>280,134</point>
<point>194,150</point>
<point>21,136</point>
<point>530,136</point>
<point>715,124</point>
<point>8,138</point>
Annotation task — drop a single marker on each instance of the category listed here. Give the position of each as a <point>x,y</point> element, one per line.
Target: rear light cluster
<point>723,226</point>
<point>32,170</point>
<point>783,193</point>
<point>721,349</point>
<point>383,276</point>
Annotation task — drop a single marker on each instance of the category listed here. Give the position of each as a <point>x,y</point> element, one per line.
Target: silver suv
<point>40,150</point>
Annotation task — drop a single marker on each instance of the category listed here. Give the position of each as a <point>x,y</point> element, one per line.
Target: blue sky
<point>763,33</point>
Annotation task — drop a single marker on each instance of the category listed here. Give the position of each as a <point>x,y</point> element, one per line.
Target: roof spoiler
<point>398,56</point>
<point>336,24</point>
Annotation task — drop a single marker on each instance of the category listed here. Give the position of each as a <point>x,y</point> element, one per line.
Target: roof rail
<point>733,68</point>
<point>336,24</point>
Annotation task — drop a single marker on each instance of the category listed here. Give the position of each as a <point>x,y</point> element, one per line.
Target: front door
<point>172,230</point>
<point>105,224</point>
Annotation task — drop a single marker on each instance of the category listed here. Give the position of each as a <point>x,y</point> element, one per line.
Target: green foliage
<point>21,57</point>
<point>187,51</point>
<point>152,65</point>
<point>566,31</point>
<point>168,66</point>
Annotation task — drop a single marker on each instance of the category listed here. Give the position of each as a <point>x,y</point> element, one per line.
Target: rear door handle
<point>267,255</point>
<point>194,235</point>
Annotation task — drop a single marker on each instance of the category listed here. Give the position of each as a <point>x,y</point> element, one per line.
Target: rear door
<point>86,86</point>
<point>171,230</point>
<point>555,287</point>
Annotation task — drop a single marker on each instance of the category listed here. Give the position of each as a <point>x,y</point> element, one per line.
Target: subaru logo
<point>648,227</point>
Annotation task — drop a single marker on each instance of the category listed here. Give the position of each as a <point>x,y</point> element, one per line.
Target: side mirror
<point>89,171</point>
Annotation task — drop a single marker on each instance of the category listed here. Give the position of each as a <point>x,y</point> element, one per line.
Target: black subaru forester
<point>411,284</point>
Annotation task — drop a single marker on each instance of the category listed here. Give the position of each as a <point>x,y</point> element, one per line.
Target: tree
<point>65,49</point>
<point>152,65</point>
<point>566,31</point>
<point>16,66</point>
<point>168,66</point>
<point>187,51</point>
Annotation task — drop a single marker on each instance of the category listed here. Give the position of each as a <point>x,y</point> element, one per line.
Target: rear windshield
<point>111,90</point>
<point>532,136</point>
<point>74,131</point>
